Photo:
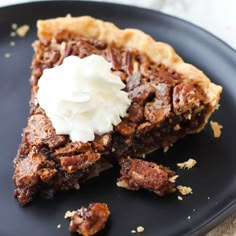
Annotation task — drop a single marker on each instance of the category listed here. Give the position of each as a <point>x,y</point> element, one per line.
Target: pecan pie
<point>169,99</point>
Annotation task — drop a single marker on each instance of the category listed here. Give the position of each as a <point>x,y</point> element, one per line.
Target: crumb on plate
<point>13,34</point>
<point>22,30</point>
<point>180,198</point>
<point>173,178</point>
<point>216,127</point>
<point>14,26</point>
<point>69,214</point>
<point>190,163</point>
<point>59,226</point>
<point>7,55</point>
<point>12,43</point>
<point>140,229</point>
<point>184,190</point>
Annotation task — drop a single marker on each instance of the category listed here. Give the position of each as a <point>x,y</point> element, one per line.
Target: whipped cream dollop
<point>82,97</point>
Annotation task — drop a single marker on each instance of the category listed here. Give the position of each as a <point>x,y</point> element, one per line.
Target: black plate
<point>213,180</point>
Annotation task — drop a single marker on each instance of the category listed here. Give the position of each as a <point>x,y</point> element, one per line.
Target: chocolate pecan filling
<point>165,107</point>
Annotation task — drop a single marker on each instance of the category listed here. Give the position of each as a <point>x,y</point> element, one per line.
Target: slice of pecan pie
<point>169,99</point>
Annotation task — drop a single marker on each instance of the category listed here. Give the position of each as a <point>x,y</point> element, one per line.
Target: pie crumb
<point>59,226</point>
<point>12,43</point>
<point>179,198</point>
<point>7,55</point>
<point>22,30</point>
<point>184,190</point>
<point>14,26</point>
<point>13,34</point>
<point>216,127</point>
<point>189,217</point>
<point>190,163</point>
<point>140,229</point>
<point>173,178</point>
<point>69,214</point>
<point>133,231</point>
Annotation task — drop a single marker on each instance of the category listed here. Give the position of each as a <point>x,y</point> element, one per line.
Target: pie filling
<point>165,107</point>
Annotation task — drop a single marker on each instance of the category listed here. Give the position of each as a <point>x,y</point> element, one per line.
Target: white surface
<point>216,16</point>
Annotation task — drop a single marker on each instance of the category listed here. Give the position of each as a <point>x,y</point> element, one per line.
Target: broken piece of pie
<point>139,174</point>
<point>89,221</point>
<point>168,99</point>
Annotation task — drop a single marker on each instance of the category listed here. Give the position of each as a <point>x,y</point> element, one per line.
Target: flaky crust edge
<point>159,52</point>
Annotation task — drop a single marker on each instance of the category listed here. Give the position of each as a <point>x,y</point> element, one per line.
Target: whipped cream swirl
<point>82,97</point>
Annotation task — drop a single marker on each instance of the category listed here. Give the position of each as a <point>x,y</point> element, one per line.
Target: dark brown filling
<point>165,107</point>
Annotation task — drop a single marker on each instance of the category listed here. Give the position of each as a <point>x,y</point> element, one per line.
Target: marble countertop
<point>216,16</point>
